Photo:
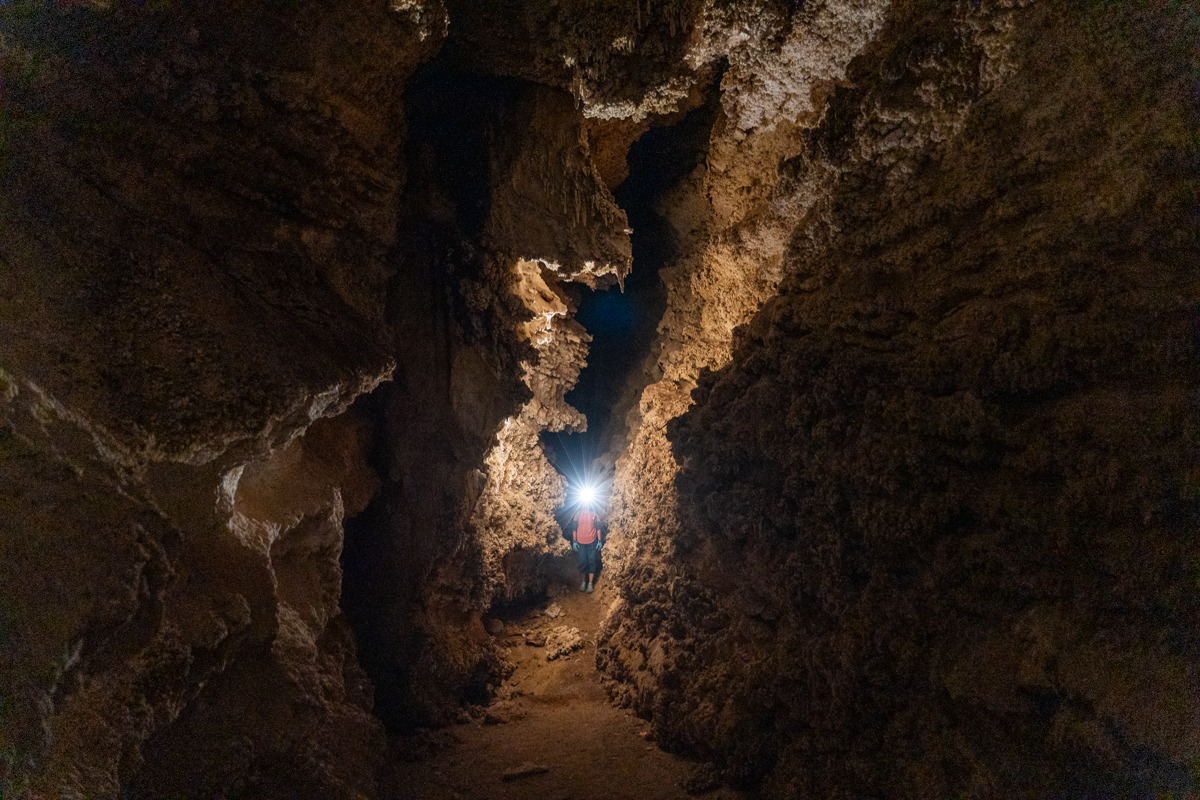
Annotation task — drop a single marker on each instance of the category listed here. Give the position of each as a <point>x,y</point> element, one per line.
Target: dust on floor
<point>551,732</point>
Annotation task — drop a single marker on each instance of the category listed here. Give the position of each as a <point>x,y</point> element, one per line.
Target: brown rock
<point>562,641</point>
<point>914,437</point>
<point>907,493</point>
<point>526,770</point>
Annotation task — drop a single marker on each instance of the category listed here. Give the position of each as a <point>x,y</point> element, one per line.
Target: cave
<point>878,320</point>
<point>621,321</point>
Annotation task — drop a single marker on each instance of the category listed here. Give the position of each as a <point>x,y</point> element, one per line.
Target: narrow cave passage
<point>903,387</point>
<point>623,321</point>
<point>457,142</point>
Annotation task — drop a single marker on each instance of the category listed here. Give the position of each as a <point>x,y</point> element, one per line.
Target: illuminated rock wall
<point>928,532</point>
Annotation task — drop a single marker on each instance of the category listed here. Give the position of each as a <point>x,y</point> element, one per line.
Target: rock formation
<point>926,532</point>
<point>905,500</point>
<point>198,206</point>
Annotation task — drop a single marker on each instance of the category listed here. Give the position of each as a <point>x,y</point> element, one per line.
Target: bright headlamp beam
<point>587,494</point>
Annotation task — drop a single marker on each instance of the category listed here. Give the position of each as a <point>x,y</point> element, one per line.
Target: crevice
<point>424,450</point>
<point>623,320</point>
<point>902,391</point>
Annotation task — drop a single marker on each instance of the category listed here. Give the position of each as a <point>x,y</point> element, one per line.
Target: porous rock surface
<point>197,210</point>
<point>286,299</point>
<point>503,209</point>
<point>198,206</point>
<point>221,230</point>
<point>928,530</point>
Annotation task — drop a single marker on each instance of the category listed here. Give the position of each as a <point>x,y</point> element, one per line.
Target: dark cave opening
<point>623,321</point>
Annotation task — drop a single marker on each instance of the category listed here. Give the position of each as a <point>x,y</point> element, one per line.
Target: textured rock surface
<point>280,276</point>
<point>502,209</point>
<point>197,209</point>
<point>731,220</point>
<point>939,504</point>
<point>210,240</point>
<point>562,641</point>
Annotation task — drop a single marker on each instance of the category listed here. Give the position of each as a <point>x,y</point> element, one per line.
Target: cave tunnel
<point>621,320</point>
<point>879,319</point>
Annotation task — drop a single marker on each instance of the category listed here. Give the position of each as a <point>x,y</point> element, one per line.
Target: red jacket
<point>587,527</point>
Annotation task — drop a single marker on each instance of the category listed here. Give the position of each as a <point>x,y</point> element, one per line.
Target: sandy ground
<point>551,718</point>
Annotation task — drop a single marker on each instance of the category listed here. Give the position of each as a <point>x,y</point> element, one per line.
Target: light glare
<point>587,494</point>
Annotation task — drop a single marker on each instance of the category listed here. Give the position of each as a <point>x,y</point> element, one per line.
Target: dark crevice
<point>422,452</point>
<point>623,322</point>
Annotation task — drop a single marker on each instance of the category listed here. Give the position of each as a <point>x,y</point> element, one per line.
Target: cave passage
<point>897,412</point>
<point>623,321</point>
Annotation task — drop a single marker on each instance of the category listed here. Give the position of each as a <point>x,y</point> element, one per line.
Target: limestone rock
<point>526,770</point>
<point>287,299</point>
<point>910,492</point>
<point>562,641</point>
<point>196,232</point>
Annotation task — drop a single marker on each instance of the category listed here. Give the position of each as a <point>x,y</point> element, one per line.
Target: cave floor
<point>552,718</point>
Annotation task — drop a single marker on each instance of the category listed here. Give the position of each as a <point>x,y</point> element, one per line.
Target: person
<point>587,541</point>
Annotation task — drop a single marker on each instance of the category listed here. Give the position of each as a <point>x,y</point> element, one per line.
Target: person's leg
<point>583,566</point>
<point>591,565</point>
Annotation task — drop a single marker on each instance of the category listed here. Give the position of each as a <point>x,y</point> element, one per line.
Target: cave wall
<point>197,212</point>
<point>518,133</point>
<point>502,209</point>
<point>286,302</point>
<point>940,504</point>
<point>211,243</point>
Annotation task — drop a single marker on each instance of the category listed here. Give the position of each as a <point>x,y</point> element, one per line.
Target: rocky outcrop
<point>941,501</point>
<point>289,509</point>
<point>730,220</point>
<point>621,63</point>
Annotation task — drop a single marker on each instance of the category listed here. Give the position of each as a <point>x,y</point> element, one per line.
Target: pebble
<point>526,770</point>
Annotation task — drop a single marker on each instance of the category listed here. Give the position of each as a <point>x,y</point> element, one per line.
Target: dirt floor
<point>551,732</point>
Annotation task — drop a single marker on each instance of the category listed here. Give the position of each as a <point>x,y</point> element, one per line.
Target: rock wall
<point>197,211</point>
<point>929,533</point>
<point>286,300</point>
<point>730,220</point>
<point>219,227</point>
<point>503,208</point>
